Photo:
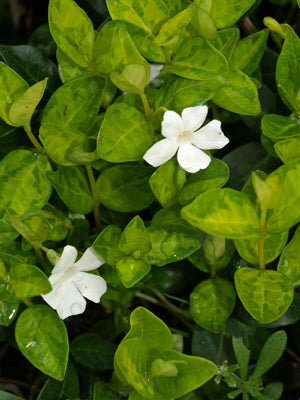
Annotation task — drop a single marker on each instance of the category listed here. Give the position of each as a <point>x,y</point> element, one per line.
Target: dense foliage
<point>160,139</point>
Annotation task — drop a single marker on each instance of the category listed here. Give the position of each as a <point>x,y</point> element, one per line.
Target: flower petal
<point>89,260</point>
<point>210,136</point>
<point>161,152</point>
<point>66,260</point>
<point>193,117</point>
<point>71,301</point>
<point>52,298</point>
<point>192,159</point>
<point>172,124</point>
<point>90,286</point>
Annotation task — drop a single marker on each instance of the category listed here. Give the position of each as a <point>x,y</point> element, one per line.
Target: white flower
<point>70,284</point>
<point>183,134</point>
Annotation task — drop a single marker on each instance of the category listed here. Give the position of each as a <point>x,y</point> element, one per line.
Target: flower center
<point>184,137</point>
<point>70,272</point>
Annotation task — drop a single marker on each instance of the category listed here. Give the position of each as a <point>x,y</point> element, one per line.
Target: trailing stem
<point>146,105</point>
<point>33,139</point>
<point>95,196</point>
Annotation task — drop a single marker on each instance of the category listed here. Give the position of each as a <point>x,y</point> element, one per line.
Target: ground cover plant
<point>150,200</point>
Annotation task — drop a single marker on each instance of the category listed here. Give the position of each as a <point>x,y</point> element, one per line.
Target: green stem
<point>33,140</point>
<point>28,302</point>
<point>261,256</point>
<point>105,103</point>
<point>146,105</point>
<point>213,271</point>
<point>95,196</point>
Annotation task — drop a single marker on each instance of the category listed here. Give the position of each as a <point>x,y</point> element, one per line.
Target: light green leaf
<point>288,150</point>
<point>132,270</point>
<point>102,48</point>
<point>167,181</point>
<point>214,176</point>
<point>146,14</point>
<point>68,69</point>
<point>160,367</point>
<point>224,212</point>
<point>284,211</point>
<point>266,295</point>
<point>75,105</point>
<point>242,355</point>
<point>192,373</point>
<point>278,127</point>
<point>169,32</point>
<point>226,13</point>
<point>239,95</point>
<point>211,303</point>
<point>25,280</point>
<point>289,263</point>
<point>249,51</point>
<point>7,233</point>
<point>107,244</point>
<point>8,312</point>
<point>226,41</point>
<point>60,143</point>
<point>72,186</point>
<point>125,135</point>
<point>125,188</point>
<point>23,107</point>
<point>134,239</point>
<point>42,338</point>
<point>177,94</point>
<point>270,353</point>
<point>273,246</point>
<point>197,59</point>
<point>72,30</point>
<point>12,86</point>
<point>23,182</point>
<point>203,23</point>
<point>287,72</point>
<point>132,78</point>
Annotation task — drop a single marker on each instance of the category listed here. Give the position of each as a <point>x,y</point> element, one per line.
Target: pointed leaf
<point>288,150</point>
<point>289,263</point>
<point>227,13</point>
<point>134,239</point>
<point>242,355</point>
<point>107,244</point>
<point>278,127</point>
<point>132,270</point>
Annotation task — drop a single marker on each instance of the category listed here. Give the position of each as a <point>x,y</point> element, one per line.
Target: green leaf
<point>266,295</point>
<point>8,396</point>
<point>68,69</point>
<point>93,352</point>
<point>8,312</point>
<point>56,390</point>
<point>215,254</point>
<point>270,353</point>
<point>226,13</point>
<point>107,244</point>
<point>214,176</point>
<point>42,338</point>
<point>12,86</point>
<point>278,127</point>
<point>203,23</point>
<point>169,32</point>
<point>23,107</point>
<point>179,93</point>
<point>25,281</point>
<point>125,135</point>
<point>7,233</point>
<point>211,303</point>
<point>146,14</point>
<point>72,186</point>
<point>287,72</point>
<point>284,211</point>
<point>23,182</point>
<point>134,239</point>
<point>249,51</point>
<point>102,392</point>
<point>289,263</point>
<point>125,188</point>
<point>167,181</point>
<point>226,41</point>
<point>242,355</point>
<point>273,246</point>
<point>60,143</point>
<point>132,270</point>
<point>72,30</point>
<point>102,47</point>
<point>197,59</point>
<point>239,95</point>
<point>288,150</point>
<point>75,105</point>
<point>192,373</point>
<point>224,212</point>
<point>31,64</point>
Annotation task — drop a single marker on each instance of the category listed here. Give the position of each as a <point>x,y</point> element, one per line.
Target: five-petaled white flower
<point>71,284</point>
<point>183,134</point>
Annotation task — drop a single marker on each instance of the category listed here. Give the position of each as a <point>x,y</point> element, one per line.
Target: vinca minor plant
<point>150,201</point>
